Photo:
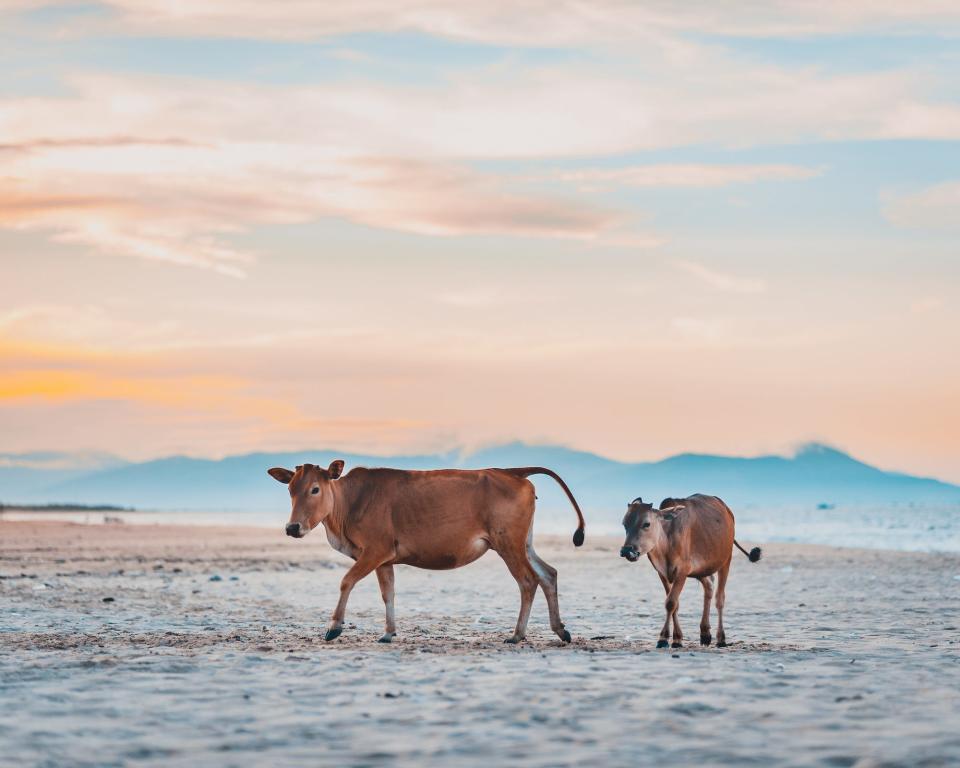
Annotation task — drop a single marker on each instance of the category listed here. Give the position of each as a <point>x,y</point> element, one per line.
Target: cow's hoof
<point>566,636</point>
<point>705,639</point>
<point>676,644</point>
<point>333,634</point>
<point>721,643</point>
<point>513,640</point>
<point>662,644</point>
<point>387,638</point>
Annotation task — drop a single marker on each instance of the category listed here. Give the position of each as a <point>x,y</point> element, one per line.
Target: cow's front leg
<point>357,571</point>
<point>672,605</point>
<point>664,640</point>
<point>385,577</point>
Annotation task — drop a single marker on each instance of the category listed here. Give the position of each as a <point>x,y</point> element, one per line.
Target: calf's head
<point>644,528</point>
<point>311,494</point>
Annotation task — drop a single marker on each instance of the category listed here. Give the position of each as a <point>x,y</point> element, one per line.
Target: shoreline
<point>213,522</point>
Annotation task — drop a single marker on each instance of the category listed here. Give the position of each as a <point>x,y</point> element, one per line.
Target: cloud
<point>178,170</point>
<point>686,175</point>
<point>433,199</point>
<point>470,299</point>
<point>926,304</point>
<point>515,22</point>
<point>722,281</point>
<point>94,141</point>
<point>188,213</point>
<point>936,208</point>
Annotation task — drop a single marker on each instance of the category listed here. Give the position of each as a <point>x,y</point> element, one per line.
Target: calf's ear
<point>281,475</point>
<point>335,469</point>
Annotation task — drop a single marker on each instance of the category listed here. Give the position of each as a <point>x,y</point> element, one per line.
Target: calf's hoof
<point>721,643</point>
<point>565,636</point>
<point>676,644</point>
<point>662,643</point>
<point>387,638</point>
<point>705,639</point>
<point>333,634</point>
<point>513,640</point>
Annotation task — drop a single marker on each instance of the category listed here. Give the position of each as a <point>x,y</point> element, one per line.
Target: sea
<point>909,527</point>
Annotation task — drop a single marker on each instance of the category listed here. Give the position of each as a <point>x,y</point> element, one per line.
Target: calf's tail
<point>754,554</point>
<point>527,471</point>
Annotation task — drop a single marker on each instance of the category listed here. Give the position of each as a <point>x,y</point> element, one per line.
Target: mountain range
<point>815,474</point>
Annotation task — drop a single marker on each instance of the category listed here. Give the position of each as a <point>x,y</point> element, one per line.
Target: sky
<point>410,225</point>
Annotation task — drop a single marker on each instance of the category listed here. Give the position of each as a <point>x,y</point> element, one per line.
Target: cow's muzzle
<point>295,530</point>
<point>630,553</point>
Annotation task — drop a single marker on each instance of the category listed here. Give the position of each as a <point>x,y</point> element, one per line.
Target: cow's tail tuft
<point>753,555</point>
<point>578,537</point>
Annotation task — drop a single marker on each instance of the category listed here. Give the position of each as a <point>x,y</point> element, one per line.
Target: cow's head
<point>311,494</point>
<point>644,528</point>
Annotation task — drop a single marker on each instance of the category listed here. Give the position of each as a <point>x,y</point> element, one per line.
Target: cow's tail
<point>527,471</point>
<point>754,554</point>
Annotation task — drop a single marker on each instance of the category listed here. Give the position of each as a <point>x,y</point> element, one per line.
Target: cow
<point>437,520</point>
<point>689,538</point>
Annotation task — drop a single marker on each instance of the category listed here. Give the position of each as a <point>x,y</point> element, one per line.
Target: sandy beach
<point>166,645</point>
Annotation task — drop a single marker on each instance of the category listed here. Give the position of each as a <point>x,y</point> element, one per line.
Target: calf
<point>688,538</point>
<point>436,520</point>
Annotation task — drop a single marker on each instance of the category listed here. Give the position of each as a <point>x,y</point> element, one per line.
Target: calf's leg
<point>677,632</point>
<point>672,605</point>
<point>547,576</point>
<point>357,571</point>
<point>705,638</point>
<point>664,633</point>
<point>385,577</point>
<point>721,599</point>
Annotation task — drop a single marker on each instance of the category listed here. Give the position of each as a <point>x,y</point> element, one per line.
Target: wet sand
<point>177,646</point>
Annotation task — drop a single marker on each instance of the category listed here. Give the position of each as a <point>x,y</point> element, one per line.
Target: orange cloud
<point>35,377</point>
<point>86,385</point>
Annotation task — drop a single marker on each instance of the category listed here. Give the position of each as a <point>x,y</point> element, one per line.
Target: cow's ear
<point>335,469</point>
<point>281,475</point>
<point>668,516</point>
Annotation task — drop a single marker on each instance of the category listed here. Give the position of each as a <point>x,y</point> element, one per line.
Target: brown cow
<point>436,520</point>
<point>688,538</point>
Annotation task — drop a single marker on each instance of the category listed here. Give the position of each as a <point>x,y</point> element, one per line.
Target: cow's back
<point>438,518</point>
<point>706,526</point>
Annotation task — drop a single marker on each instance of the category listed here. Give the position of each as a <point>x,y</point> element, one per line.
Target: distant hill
<point>815,474</point>
<point>24,475</point>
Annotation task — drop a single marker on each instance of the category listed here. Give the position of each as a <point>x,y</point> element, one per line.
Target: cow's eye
<point>315,490</point>
<point>646,524</point>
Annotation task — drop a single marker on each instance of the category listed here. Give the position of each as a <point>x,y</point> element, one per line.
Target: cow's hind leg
<point>705,638</point>
<point>526,576</point>
<point>357,571</point>
<point>721,599</point>
<point>547,576</point>
<point>385,577</point>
